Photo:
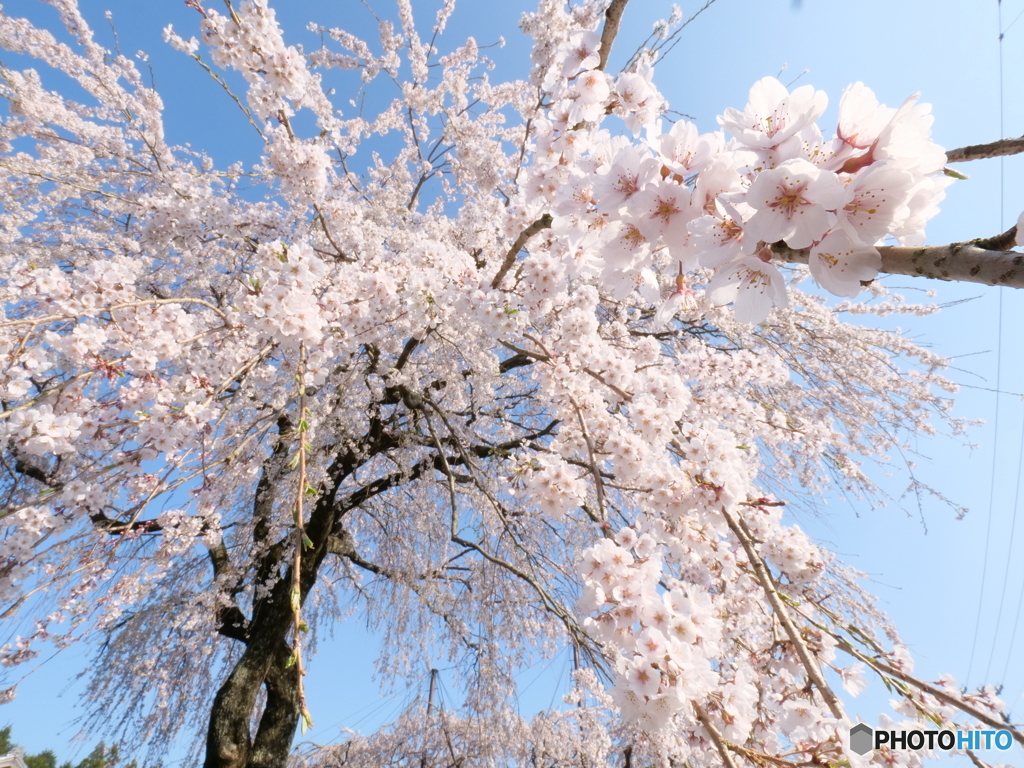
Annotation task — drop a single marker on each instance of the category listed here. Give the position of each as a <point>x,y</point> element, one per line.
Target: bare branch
<point>612,19</point>
<point>544,222</point>
<point>999,148</point>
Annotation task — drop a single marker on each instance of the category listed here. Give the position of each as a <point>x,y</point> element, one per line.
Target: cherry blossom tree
<point>509,365</point>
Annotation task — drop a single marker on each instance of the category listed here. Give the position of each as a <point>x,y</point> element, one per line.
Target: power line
<point>1009,560</point>
<point>999,367</point>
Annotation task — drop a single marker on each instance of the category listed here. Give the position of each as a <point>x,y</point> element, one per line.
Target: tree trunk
<point>229,743</point>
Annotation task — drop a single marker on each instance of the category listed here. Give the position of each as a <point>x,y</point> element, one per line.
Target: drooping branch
<point>999,148</point>
<point>716,737</point>
<point>960,262</point>
<point>943,696</point>
<point>764,577</point>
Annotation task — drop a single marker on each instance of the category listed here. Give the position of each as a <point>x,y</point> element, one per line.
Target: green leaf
<point>290,663</point>
<point>304,627</point>
<point>303,425</point>
<point>293,463</point>
<point>955,174</point>
<point>307,542</point>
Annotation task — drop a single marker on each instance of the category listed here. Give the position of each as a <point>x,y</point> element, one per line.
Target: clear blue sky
<point>930,583</point>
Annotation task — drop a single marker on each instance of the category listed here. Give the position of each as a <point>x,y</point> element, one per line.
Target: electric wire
<point>1014,21</point>
<point>1009,562</point>
<point>1020,597</point>
<point>1020,453</point>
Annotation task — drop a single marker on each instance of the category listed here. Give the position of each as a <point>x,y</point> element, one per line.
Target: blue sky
<point>931,583</point>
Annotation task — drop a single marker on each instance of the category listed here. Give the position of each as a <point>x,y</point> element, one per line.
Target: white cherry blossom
<point>792,203</point>
<point>773,114</point>
<point>840,265</point>
<point>752,284</point>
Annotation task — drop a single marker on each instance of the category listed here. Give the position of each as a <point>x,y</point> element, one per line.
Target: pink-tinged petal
<point>861,117</point>
<point>668,309</point>
<point>680,300</point>
<point>753,285</point>
<point>765,96</point>
<point>662,208</point>
<point>875,199</point>
<point>772,114</point>
<point>624,245</point>
<point>810,224</point>
<point>853,678</point>
<point>592,86</point>
<point>724,286</point>
<point>825,189</point>
<point>839,265</point>
<point>922,205</point>
<point>619,283</point>
<point>753,301</point>
<point>792,203</point>
<point>717,239</point>
<point>643,679</point>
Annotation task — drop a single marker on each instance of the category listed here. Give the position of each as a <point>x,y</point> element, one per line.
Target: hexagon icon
<point>861,738</point>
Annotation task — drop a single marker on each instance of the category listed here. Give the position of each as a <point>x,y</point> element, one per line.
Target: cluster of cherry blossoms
<point>442,353</point>
<point>678,201</point>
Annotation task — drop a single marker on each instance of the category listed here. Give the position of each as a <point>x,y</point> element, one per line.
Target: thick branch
<point>26,468</point>
<point>343,545</point>
<point>117,528</point>
<point>233,623</point>
<point>982,151</point>
<point>544,222</point>
<point>961,262</point>
<point>516,361</point>
<point>612,19</point>
<point>280,713</point>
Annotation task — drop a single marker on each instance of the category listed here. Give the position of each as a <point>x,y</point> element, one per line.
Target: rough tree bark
<point>988,260</point>
<point>267,658</point>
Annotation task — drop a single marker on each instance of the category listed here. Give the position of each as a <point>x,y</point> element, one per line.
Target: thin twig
<point>300,543</point>
<point>598,482</point>
<point>814,675</point>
